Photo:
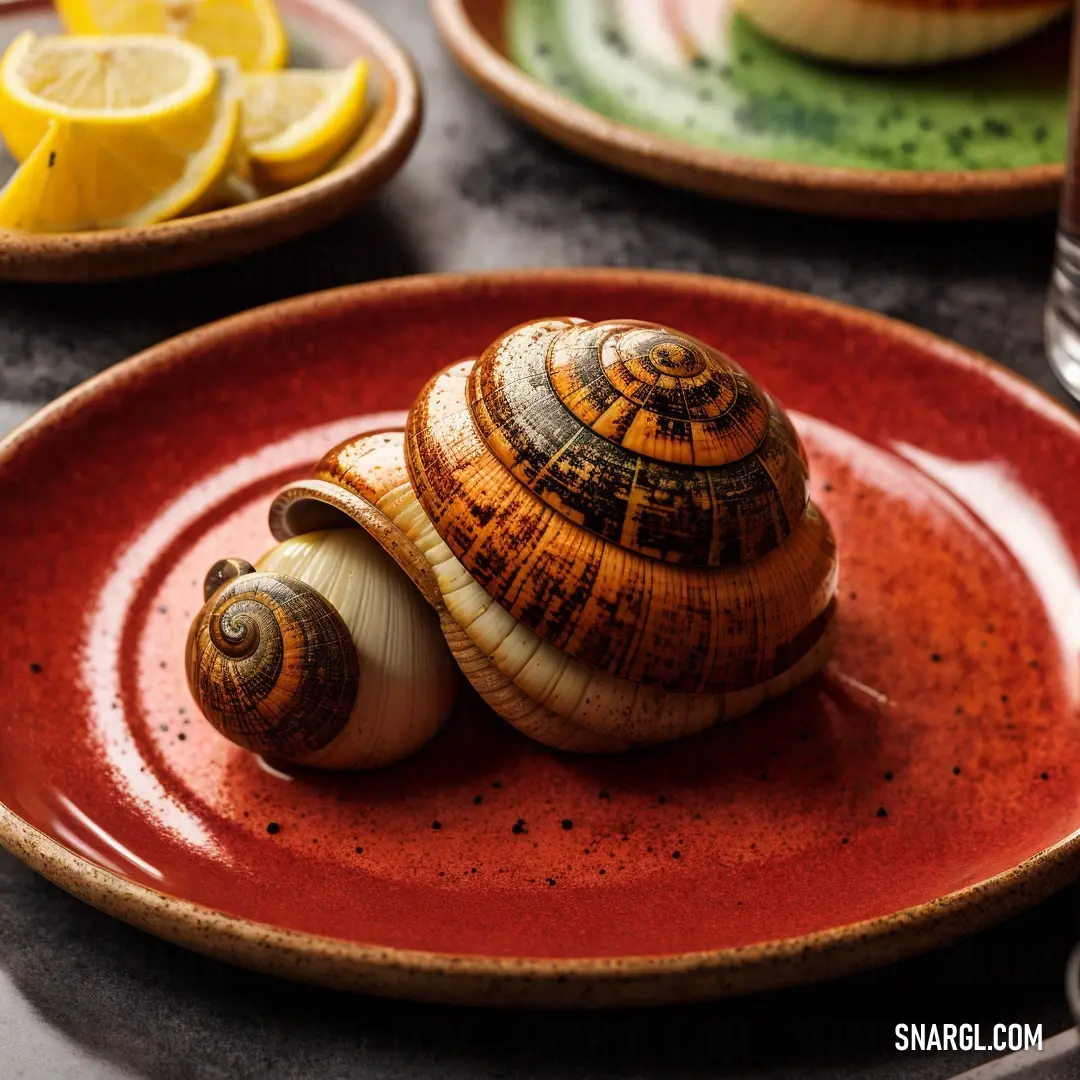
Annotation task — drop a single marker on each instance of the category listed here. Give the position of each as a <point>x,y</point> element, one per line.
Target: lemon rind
<point>211,164</point>
<point>304,148</point>
<point>192,93</point>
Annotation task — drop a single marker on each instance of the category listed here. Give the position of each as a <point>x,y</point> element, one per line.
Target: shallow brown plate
<point>322,33</point>
<point>953,135</point>
<point>924,787</point>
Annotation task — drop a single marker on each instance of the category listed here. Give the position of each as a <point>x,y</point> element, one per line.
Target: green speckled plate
<point>685,92</point>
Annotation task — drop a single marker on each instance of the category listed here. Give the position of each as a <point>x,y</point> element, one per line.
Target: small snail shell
<point>898,33</point>
<point>617,517</point>
<point>325,655</point>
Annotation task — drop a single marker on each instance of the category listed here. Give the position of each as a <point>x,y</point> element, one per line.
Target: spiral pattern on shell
<point>271,663</point>
<point>633,497</point>
<point>642,435</point>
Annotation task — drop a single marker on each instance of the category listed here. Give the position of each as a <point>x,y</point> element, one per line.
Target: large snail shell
<point>898,33</point>
<point>547,695</point>
<point>584,635</point>
<point>714,575</point>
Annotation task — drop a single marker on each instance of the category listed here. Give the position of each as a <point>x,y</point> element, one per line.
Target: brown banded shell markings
<point>714,628</point>
<point>272,665</point>
<point>646,437</point>
<point>369,466</point>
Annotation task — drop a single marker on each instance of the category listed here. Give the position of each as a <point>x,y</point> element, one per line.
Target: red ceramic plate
<point>924,787</point>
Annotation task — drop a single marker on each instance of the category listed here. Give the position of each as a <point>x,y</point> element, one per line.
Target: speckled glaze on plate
<point>322,33</point>
<point>924,787</point>
<point>686,92</point>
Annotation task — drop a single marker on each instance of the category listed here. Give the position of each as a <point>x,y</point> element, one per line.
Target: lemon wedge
<point>87,174</point>
<point>127,81</point>
<point>297,122</point>
<point>249,31</point>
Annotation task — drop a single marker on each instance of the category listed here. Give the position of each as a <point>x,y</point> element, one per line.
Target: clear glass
<point>1062,321</point>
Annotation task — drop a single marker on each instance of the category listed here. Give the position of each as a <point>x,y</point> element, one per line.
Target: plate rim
<point>841,191</point>
<point>186,242</point>
<point>573,982</point>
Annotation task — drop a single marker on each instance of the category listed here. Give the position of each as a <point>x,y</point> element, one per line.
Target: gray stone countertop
<point>82,995</point>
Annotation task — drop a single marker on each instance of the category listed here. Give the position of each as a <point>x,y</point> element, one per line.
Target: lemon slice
<point>249,31</point>
<point>297,122</point>
<point>128,81</point>
<point>91,175</point>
